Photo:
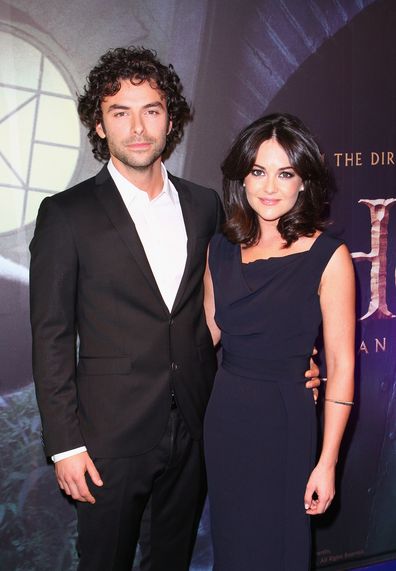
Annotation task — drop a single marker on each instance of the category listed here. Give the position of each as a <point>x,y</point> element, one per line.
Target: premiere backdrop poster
<point>331,62</point>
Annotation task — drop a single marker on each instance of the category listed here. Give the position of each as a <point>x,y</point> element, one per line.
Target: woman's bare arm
<point>209,305</point>
<point>337,300</point>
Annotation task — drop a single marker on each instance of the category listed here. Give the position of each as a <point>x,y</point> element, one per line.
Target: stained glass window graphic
<point>39,131</point>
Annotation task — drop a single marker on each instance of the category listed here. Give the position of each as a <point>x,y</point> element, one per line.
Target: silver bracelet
<point>344,402</point>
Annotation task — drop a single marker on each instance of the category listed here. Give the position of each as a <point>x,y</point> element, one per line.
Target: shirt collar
<point>132,192</point>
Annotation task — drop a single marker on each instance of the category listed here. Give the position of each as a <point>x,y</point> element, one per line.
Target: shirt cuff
<point>68,453</point>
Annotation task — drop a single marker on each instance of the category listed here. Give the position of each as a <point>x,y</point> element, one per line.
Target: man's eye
<point>120,114</point>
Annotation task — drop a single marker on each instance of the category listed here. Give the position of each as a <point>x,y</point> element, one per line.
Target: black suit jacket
<point>90,278</point>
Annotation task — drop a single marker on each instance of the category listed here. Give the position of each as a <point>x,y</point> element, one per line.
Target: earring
<point>301,189</point>
<point>244,185</point>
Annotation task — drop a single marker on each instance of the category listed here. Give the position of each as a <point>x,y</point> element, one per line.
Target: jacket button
<point>171,321</point>
<point>174,366</point>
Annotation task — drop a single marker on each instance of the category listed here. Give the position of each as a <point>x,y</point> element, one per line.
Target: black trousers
<point>167,484</point>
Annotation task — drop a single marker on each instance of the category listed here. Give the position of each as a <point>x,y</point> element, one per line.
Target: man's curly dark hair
<point>137,64</point>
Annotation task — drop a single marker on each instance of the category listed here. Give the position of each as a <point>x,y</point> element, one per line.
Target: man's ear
<point>100,131</point>
<point>170,125</point>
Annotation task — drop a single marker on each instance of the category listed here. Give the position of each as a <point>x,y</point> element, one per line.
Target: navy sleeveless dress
<point>260,424</point>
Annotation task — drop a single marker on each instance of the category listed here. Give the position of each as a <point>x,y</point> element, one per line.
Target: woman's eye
<point>257,172</point>
<point>287,174</point>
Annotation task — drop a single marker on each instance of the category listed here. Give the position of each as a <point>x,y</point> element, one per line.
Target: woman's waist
<point>288,368</point>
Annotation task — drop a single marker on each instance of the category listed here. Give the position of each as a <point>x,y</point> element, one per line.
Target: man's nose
<point>137,126</point>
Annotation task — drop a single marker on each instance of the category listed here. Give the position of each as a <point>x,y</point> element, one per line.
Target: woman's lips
<point>269,201</point>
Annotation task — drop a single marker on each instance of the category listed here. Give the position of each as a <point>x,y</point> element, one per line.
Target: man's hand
<point>313,375</point>
<point>70,474</point>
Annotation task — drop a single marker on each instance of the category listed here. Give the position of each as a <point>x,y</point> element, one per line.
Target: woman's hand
<point>322,483</point>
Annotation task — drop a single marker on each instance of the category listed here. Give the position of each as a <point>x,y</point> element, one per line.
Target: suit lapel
<point>108,195</point>
<point>190,225</point>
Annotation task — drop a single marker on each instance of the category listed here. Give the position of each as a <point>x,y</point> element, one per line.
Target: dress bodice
<point>269,310</point>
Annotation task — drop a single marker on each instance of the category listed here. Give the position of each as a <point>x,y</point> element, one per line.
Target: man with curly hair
<point>118,260</point>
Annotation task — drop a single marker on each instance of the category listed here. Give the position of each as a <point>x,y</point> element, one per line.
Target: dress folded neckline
<point>271,258</point>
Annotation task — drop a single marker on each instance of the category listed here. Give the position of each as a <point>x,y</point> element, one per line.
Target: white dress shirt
<point>160,226</point>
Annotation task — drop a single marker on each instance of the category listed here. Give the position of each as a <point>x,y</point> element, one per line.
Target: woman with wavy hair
<point>273,276</point>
